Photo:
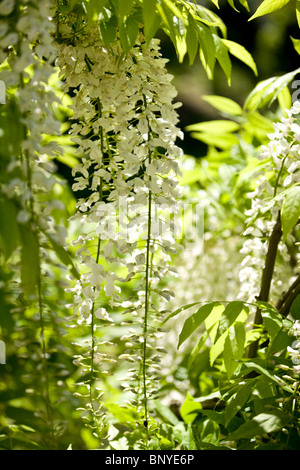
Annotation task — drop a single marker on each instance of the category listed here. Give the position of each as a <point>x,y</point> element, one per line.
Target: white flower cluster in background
<point>294,349</point>
<point>27,52</point>
<point>282,157</point>
<point>125,128</point>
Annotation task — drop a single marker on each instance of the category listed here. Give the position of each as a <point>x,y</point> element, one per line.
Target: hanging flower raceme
<point>125,129</point>
<point>30,190</point>
<point>282,161</point>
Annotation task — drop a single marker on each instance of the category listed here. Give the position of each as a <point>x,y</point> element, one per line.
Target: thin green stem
<point>93,307</point>
<point>147,297</point>
<point>278,176</point>
<point>40,301</point>
<point>147,291</point>
<point>97,261</point>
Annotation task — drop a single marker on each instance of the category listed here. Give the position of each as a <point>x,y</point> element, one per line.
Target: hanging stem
<point>97,261</point>
<point>147,289</point>
<point>40,302</point>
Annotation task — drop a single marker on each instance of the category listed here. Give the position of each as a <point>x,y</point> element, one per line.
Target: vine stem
<point>267,276</point>
<point>285,302</point>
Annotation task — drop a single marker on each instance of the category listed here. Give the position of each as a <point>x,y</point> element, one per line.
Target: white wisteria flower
<point>125,127</point>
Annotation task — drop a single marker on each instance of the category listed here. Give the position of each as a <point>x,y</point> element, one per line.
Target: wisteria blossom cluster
<point>282,161</point>
<point>124,124</point>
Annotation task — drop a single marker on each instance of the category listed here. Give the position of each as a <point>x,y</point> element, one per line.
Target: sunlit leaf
<point>151,19</point>
<point>267,91</point>
<point>262,424</point>
<point>241,53</point>
<point>195,320</point>
<point>192,40</point>
<point>207,50</point>
<point>290,212</point>
<point>214,127</point>
<point>296,43</point>
<point>222,56</point>
<point>223,104</point>
<point>236,402</point>
<point>269,6</point>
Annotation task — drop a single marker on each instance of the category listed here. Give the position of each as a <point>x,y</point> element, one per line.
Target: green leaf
<point>231,3</point>
<point>209,18</point>
<point>290,211</point>
<point>272,320</point>
<point>9,230</point>
<point>295,308</point>
<point>223,142</point>
<point>128,30</point>
<point>93,8</point>
<point>261,370</point>
<point>234,347</point>
<point>234,310</point>
<point>190,409</point>
<point>268,6</point>
<point>165,412</point>
<point>268,90</point>
<point>196,350</point>
<point>207,50</point>
<point>285,99</point>
<point>241,53</point>
<point>180,43</point>
<point>195,320</point>
<point>108,30</point>
<point>296,44</point>
<point>123,8</point>
<point>30,259</point>
<point>245,4</point>
<point>264,423</point>
<point>151,19</point>
<point>260,124</point>
<point>236,402</point>
<point>281,341</point>
<point>214,127</point>
<point>192,41</point>
<point>222,56</point>
<point>298,12</point>
<point>225,105</point>
<point>168,21</point>
<point>174,9</point>
<point>179,310</point>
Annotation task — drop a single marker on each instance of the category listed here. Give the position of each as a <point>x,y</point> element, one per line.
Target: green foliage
<point>290,210</point>
<point>229,399</point>
<point>192,28</point>
<point>269,6</point>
